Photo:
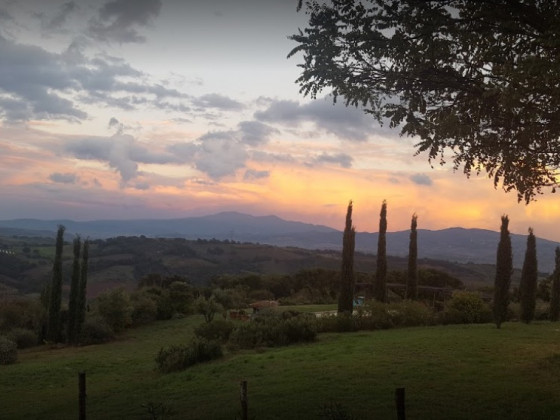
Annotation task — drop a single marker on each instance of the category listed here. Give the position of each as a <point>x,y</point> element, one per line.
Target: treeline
<point>525,295</point>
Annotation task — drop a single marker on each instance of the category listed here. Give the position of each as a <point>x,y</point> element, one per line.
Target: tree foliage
<point>504,269</point>
<point>72,326</point>
<point>478,81</point>
<point>528,284</point>
<point>82,294</point>
<point>380,284</point>
<point>346,295</point>
<point>53,325</point>
<point>555,290</point>
<point>412,271</point>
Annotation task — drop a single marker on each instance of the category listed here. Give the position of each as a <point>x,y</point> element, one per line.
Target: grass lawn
<point>449,372</point>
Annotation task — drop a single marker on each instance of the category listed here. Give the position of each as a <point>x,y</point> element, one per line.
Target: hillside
<point>25,263</point>
<point>454,244</point>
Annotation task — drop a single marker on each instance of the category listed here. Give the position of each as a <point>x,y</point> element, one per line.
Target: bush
<point>8,351</point>
<point>377,316</point>
<point>23,338</point>
<point>95,331</point>
<point>115,308</point>
<point>541,310</point>
<point>410,313</point>
<point>274,329</point>
<point>144,309</point>
<point>218,330</point>
<point>176,358</point>
<point>466,308</point>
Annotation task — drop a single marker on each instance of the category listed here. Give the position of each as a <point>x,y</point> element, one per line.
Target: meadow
<point>449,372</point>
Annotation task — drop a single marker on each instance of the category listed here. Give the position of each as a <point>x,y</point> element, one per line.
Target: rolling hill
<point>454,244</point>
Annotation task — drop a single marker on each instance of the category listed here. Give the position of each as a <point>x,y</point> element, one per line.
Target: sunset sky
<point>169,108</point>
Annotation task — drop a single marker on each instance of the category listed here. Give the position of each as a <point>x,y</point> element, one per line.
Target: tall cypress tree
<point>53,325</point>
<point>504,269</point>
<point>81,305</point>
<point>555,292</point>
<point>528,284</point>
<point>380,285</point>
<point>412,271</point>
<point>346,295</point>
<point>74,293</point>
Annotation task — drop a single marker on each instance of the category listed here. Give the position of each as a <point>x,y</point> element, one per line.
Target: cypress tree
<point>346,295</point>
<point>53,325</point>
<point>504,269</point>
<point>555,292</point>
<point>74,293</point>
<point>380,285</point>
<point>412,271</point>
<point>81,302</point>
<point>528,284</point>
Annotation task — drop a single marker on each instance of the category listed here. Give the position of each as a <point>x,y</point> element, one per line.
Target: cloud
<point>342,159</point>
<point>251,174</point>
<point>218,154</point>
<point>55,22</point>
<point>344,122</point>
<point>119,20</point>
<point>421,179</point>
<point>121,152</point>
<point>31,80</point>
<point>215,100</point>
<point>255,133</point>
<point>67,178</point>
<point>37,84</point>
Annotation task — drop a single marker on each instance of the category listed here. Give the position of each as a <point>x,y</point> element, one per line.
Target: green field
<point>449,372</point>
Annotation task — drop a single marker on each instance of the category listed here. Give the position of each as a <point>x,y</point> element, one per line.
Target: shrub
<point>218,330</point>
<point>144,309</point>
<point>176,358</point>
<point>24,313</point>
<point>273,329</point>
<point>208,307</point>
<point>23,338</point>
<point>376,315</point>
<point>115,308</point>
<point>466,308</point>
<point>95,331</point>
<point>8,351</point>
<point>410,313</point>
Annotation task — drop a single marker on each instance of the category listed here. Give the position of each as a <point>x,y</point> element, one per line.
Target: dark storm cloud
<point>59,19</point>
<point>251,175</point>
<point>421,179</point>
<point>67,178</point>
<point>29,78</point>
<point>342,159</point>
<point>34,84</point>
<point>4,15</point>
<point>119,20</point>
<point>344,122</point>
<point>254,133</point>
<point>215,100</point>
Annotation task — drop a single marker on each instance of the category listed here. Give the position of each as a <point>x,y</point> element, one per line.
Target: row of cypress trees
<point>78,286</point>
<point>502,281</point>
<point>346,295</point>
<point>528,283</point>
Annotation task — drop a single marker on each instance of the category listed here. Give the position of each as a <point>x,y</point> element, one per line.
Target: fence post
<point>244,402</point>
<point>82,395</point>
<point>399,400</point>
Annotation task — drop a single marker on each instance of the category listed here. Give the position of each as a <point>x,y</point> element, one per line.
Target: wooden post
<point>399,400</point>
<point>244,402</point>
<point>82,395</point>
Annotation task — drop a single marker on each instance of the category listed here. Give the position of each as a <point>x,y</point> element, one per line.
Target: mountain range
<point>452,244</point>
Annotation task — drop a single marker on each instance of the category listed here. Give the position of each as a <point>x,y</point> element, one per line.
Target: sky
<point>128,109</point>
